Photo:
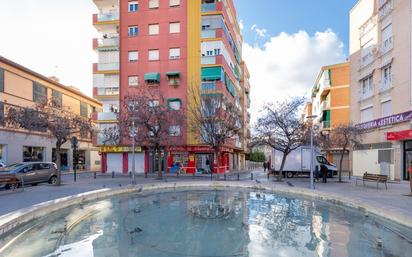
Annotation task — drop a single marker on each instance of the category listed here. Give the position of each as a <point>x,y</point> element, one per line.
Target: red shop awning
<point>399,136</point>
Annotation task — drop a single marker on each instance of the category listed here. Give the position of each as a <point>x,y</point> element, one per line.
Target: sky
<point>285,42</point>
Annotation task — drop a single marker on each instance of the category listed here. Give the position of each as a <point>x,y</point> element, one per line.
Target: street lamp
<point>133,134</point>
<point>311,118</point>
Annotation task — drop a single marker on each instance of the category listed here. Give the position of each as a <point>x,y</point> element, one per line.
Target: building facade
<point>380,56</point>
<point>330,103</point>
<point>22,87</point>
<point>176,47</point>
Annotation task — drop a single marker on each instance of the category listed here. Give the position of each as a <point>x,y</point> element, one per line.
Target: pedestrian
<point>207,166</point>
<point>264,166</point>
<point>324,171</point>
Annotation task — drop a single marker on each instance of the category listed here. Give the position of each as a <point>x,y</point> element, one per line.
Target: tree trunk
<point>282,166</point>
<point>159,163</point>
<point>212,165</point>
<point>340,165</point>
<point>218,163</point>
<point>58,164</point>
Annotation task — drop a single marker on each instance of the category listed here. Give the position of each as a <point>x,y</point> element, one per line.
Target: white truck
<point>298,162</point>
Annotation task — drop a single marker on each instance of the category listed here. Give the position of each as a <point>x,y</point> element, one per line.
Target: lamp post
<point>311,118</point>
<point>133,134</point>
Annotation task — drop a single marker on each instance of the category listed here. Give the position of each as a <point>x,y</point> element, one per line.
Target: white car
<point>2,164</point>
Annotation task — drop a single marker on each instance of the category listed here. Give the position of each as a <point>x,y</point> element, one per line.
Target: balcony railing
<point>365,95</point>
<point>107,116</point>
<point>207,86</point>
<point>108,66</point>
<point>103,91</point>
<point>367,58</point>
<point>387,45</point>
<point>112,16</point>
<point>209,33</point>
<point>208,60</point>
<point>105,42</point>
<point>386,84</point>
<point>209,7</point>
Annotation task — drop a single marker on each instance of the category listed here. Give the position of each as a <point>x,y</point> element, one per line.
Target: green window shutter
<point>1,80</point>
<point>153,76</point>
<point>212,73</point>
<point>173,73</point>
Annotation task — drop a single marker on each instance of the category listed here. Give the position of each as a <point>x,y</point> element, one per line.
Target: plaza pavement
<point>394,199</point>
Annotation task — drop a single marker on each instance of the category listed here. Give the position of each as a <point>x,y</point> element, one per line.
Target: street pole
<point>311,158</point>
<point>133,154</point>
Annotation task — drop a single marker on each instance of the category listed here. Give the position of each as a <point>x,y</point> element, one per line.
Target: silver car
<point>32,172</point>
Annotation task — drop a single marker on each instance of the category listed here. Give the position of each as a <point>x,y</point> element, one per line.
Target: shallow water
<point>206,223</point>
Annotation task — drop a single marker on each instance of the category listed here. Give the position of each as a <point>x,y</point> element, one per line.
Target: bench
<point>9,180</point>
<point>374,177</point>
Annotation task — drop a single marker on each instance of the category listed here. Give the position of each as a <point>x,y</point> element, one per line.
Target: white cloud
<point>259,32</point>
<point>45,34</point>
<point>287,64</point>
<point>241,25</point>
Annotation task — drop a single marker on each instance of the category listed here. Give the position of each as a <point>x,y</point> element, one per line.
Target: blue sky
<point>294,15</point>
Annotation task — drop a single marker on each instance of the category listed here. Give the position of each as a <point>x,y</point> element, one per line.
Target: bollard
<point>251,176</point>
<point>112,174</point>
<point>130,174</point>
<point>95,175</point>
<point>224,176</point>
<point>238,176</point>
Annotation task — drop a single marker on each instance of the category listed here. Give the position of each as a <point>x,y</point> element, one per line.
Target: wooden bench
<point>374,177</point>
<point>9,180</point>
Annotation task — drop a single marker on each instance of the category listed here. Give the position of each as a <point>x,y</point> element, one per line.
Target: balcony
<point>367,57</point>
<point>107,116</point>
<point>386,84</point>
<point>212,33</point>
<point>107,91</point>
<point>107,17</point>
<point>208,86</point>
<point>106,43</point>
<point>325,105</point>
<point>387,45</point>
<point>209,7</point>
<point>325,124</point>
<point>106,67</point>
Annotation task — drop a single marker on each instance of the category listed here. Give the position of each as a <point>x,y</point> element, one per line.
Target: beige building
<point>380,57</point>
<point>20,86</point>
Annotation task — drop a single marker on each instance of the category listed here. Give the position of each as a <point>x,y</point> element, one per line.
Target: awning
<point>173,74</point>
<point>154,76</point>
<point>212,73</point>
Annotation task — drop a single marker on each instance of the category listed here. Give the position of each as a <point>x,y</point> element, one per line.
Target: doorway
<point>407,160</point>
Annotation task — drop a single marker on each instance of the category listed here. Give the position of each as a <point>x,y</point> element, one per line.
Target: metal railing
<point>112,16</point>
<point>104,42</point>
<point>108,91</point>
<point>209,7</point>
<point>108,66</point>
<point>206,86</point>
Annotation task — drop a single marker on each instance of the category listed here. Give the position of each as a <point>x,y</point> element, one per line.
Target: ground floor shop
<point>21,147</point>
<point>182,159</point>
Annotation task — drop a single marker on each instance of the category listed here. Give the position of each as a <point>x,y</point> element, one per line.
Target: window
<point>1,118</point>
<point>133,81</point>
<point>39,93</point>
<point>133,6</point>
<point>367,114</point>
<point>173,3</point>
<point>367,86</point>
<point>387,77</point>
<point>153,103</point>
<point>174,27</point>
<point>386,108</point>
<point>174,53</point>
<point>387,38</point>
<point>174,131</point>
<point>175,104</point>
<point>154,55</point>
<point>33,154</point>
<point>57,98</point>
<point>153,4</point>
<point>153,29</point>
<point>133,31</point>
<point>84,112</point>
<point>133,56</point>
<point>1,80</point>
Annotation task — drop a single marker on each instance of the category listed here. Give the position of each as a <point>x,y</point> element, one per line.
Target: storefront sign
<point>399,136</point>
<point>119,149</point>
<point>197,149</point>
<point>386,121</point>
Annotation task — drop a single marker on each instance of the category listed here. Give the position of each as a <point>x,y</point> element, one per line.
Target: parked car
<point>2,164</point>
<point>32,172</point>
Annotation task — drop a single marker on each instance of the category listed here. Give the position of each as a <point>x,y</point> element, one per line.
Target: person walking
<point>324,172</point>
<point>264,166</point>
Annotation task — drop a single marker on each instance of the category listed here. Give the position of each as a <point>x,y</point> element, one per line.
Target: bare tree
<point>342,138</point>
<point>157,124</point>
<point>49,117</point>
<point>281,128</point>
<point>215,121</point>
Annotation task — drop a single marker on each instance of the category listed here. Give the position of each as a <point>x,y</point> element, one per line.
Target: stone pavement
<point>393,199</point>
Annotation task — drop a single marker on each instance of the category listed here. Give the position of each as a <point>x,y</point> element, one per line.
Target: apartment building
<point>174,46</point>
<point>329,102</point>
<point>20,86</point>
<point>380,57</point>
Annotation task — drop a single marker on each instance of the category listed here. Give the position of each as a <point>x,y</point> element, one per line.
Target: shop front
<point>196,159</point>
<point>405,137</point>
<point>119,159</point>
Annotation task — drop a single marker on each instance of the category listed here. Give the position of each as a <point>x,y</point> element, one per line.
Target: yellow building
<point>330,100</point>
<point>23,87</point>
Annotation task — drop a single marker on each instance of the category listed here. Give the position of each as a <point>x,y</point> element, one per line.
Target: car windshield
<point>11,167</point>
<point>322,160</point>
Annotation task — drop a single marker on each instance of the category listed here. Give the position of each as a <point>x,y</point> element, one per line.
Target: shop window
<point>33,154</point>
<point>39,93</point>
